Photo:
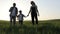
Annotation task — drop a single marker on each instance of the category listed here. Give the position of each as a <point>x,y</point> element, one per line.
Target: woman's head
<point>32,3</point>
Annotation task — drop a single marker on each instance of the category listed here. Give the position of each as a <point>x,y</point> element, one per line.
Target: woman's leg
<point>32,17</point>
<point>36,19</point>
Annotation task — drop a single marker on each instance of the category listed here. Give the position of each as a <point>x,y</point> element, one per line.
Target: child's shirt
<point>20,17</point>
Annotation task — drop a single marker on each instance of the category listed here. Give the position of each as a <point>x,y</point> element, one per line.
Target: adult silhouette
<point>13,13</point>
<point>34,12</point>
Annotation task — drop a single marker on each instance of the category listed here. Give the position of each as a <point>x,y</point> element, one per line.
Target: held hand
<point>24,16</point>
<point>28,15</point>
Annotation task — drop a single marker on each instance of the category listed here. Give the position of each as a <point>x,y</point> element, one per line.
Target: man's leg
<point>10,20</point>
<point>14,20</point>
<point>36,19</point>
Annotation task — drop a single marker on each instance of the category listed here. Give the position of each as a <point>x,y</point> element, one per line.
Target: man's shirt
<point>13,12</point>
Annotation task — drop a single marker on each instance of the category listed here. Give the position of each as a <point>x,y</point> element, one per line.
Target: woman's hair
<point>32,2</point>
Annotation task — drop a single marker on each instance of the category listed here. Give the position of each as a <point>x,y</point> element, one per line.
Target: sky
<point>48,9</point>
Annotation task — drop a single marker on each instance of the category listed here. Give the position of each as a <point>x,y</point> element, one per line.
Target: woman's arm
<point>29,12</point>
<point>37,11</point>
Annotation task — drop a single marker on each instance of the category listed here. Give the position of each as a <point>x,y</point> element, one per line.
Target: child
<point>20,17</point>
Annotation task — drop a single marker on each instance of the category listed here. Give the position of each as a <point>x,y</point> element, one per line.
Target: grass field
<point>44,27</point>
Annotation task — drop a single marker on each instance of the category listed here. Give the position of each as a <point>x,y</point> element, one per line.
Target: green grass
<point>44,27</point>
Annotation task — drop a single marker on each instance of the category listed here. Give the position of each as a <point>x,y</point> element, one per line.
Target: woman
<point>34,12</point>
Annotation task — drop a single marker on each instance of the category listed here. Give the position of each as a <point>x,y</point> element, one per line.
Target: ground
<point>44,27</point>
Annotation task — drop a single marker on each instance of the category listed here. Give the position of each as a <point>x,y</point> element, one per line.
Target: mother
<point>34,12</point>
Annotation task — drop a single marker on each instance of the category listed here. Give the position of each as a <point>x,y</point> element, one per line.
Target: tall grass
<point>44,27</point>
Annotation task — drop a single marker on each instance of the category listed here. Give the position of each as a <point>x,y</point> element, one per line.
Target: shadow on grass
<point>46,28</point>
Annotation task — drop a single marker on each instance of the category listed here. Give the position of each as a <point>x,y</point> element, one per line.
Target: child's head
<point>20,11</point>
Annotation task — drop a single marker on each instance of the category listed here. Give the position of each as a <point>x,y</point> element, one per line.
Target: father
<point>13,13</point>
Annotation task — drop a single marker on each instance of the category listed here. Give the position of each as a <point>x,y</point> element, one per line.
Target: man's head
<point>32,3</point>
<point>14,4</point>
<point>20,12</point>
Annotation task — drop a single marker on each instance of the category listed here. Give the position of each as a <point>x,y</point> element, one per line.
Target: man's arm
<point>16,10</point>
<point>10,9</point>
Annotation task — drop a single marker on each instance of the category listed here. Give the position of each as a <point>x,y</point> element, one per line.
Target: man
<point>34,12</point>
<point>13,13</point>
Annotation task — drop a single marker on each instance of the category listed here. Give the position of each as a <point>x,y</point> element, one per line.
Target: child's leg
<point>21,22</point>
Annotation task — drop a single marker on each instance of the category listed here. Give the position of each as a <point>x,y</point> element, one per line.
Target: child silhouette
<point>20,17</point>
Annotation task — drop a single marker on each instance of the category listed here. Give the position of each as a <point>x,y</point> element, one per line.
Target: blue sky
<point>48,9</point>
